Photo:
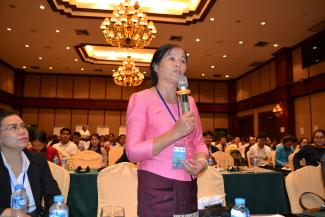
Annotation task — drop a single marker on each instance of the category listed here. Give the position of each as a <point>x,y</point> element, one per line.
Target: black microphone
<point>183,92</point>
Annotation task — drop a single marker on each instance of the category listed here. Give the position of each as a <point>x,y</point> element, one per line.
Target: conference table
<point>264,192</point>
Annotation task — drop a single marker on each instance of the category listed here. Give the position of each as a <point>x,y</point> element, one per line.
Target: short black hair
<point>287,138</point>
<point>77,134</point>
<point>157,57</point>
<point>262,135</point>
<point>4,114</point>
<point>65,129</point>
<point>39,135</point>
<point>208,133</point>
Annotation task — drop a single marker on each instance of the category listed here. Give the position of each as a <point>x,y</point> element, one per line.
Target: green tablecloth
<point>82,199</point>
<point>265,192</point>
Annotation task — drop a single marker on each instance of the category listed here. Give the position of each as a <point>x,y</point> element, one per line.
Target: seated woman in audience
<point>283,150</point>
<point>311,153</point>
<point>303,141</point>
<point>95,146</point>
<point>39,144</point>
<point>120,142</point>
<point>20,166</point>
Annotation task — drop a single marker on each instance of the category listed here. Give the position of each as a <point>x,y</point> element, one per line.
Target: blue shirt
<point>282,154</point>
<point>22,179</point>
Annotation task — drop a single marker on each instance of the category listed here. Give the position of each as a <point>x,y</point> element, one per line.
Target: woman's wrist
<point>203,162</point>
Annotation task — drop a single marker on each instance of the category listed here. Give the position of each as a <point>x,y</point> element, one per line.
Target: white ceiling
<point>287,22</point>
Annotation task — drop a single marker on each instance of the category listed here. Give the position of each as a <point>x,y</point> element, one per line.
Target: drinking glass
<point>112,211</point>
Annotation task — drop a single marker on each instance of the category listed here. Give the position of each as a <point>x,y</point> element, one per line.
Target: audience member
<point>95,146</point>
<point>251,142</point>
<point>283,150</point>
<point>261,151</point>
<point>303,141</point>
<point>120,142</point>
<point>20,166</point>
<point>65,143</point>
<point>84,132</point>
<point>223,144</point>
<point>208,139</point>
<point>81,144</point>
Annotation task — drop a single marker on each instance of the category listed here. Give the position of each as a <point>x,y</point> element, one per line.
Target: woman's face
<point>171,66</point>
<point>13,133</point>
<point>319,139</point>
<point>38,145</point>
<point>304,142</point>
<point>94,141</point>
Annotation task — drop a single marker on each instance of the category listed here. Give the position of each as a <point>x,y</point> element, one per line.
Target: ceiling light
<point>197,39</point>
<point>212,67</point>
<point>224,56</point>
<point>68,48</point>
<point>57,31</point>
<point>26,45</point>
<point>76,60</point>
<point>82,69</point>
<point>227,76</point>
<point>314,48</point>
<point>275,45</point>
<point>42,7</point>
<point>263,23</point>
<point>144,72</point>
<point>187,54</point>
<point>40,58</point>
<point>316,60</point>
<point>203,74</point>
<point>240,42</point>
<point>24,67</point>
<point>9,29</point>
<point>50,68</point>
<point>113,70</point>
<point>128,27</point>
<point>211,19</point>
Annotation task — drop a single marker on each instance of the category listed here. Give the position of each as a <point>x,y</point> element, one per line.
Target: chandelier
<point>128,74</point>
<point>128,27</point>
<point>277,110</point>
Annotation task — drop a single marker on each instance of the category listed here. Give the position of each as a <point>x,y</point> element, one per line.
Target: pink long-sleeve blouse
<point>147,117</point>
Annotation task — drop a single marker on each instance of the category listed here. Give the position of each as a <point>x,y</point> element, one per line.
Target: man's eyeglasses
<point>15,127</point>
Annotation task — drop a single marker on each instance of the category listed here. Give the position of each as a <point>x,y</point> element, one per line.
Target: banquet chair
<point>223,159</point>
<point>273,153</point>
<point>114,154</point>
<point>306,179</point>
<point>290,160</point>
<point>62,177</point>
<point>117,186</point>
<point>87,158</point>
<point>249,159</point>
<point>210,183</point>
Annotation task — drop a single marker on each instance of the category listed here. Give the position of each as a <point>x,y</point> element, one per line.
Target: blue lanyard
<point>11,181</point>
<point>170,112</point>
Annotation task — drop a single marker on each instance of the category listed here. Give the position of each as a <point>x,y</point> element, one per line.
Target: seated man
<point>283,150</point>
<point>82,145</point>
<point>223,144</point>
<point>261,151</point>
<point>84,132</point>
<point>65,143</point>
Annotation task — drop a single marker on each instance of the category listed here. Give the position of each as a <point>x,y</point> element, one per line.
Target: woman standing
<point>19,166</point>
<point>157,133</point>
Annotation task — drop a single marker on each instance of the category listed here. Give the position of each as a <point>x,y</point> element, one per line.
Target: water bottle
<point>56,160</point>
<point>239,210</point>
<point>64,161</point>
<point>59,209</point>
<point>19,201</point>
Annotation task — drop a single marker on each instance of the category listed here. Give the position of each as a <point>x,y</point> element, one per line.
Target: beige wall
<point>309,114</point>
<point>256,82</point>
<point>100,87</point>
<point>255,112</point>
<point>7,79</point>
<point>300,73</point>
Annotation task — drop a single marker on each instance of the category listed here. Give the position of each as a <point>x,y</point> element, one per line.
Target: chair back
<point>273,153</point>
<point>117,185</point>
<point>210,183</point>
<point>223,159</point>
<point>306,179</point>
<point>249,159</point>
<point>62,177</point>
<point>87,158</point>
<point>114,154</point>
<point>290,161</point>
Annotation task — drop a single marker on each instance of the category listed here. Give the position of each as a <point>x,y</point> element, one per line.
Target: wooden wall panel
<point>48,86</point>
<point>127,92</point>
<point>317,107</point>
<point>63,117</point>
<point>95,119</point>
<point>220,92</point>
<point>97,87</point>
<point>112,119</point>
<point>298,72</point>
<point>3,78</point>
<point>78,116</point>
<point>272,75</point>
<point>46,120</point>
<point>246,87</point>
<point>207,121</point>
<point>206,92</point>
<point>123,118</point>
<point>32,86</point>
<point>240,90</point>
<point>7,78</point>
<point>65,86</point>
<point>113,91</point>
<point>302,117</point>
<point>81,87</point>
<point>6,107</point>
<point>221,120</point>
<point>10,82</point>
<point>264,79</point>
<point>317,69</point>
<point>30,116</point>
<point>195,90</point>
<point>255,83</point>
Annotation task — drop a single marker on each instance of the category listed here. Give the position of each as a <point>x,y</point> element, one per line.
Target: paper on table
<point>276,215</point>
<point>285,168</point>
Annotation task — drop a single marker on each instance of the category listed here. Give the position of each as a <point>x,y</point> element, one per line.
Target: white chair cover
<point>222,158</point>
<point>62,177</point>
<point>273,153</point>
<point>306,179</point>
<point>117,185</point>
<point>114,154</point>
<point>87,158</point>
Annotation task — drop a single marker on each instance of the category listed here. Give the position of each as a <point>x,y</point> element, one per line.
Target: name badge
<point>179,155</point>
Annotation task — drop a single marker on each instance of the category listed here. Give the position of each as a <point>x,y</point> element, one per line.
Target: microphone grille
<point>182,82</point>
